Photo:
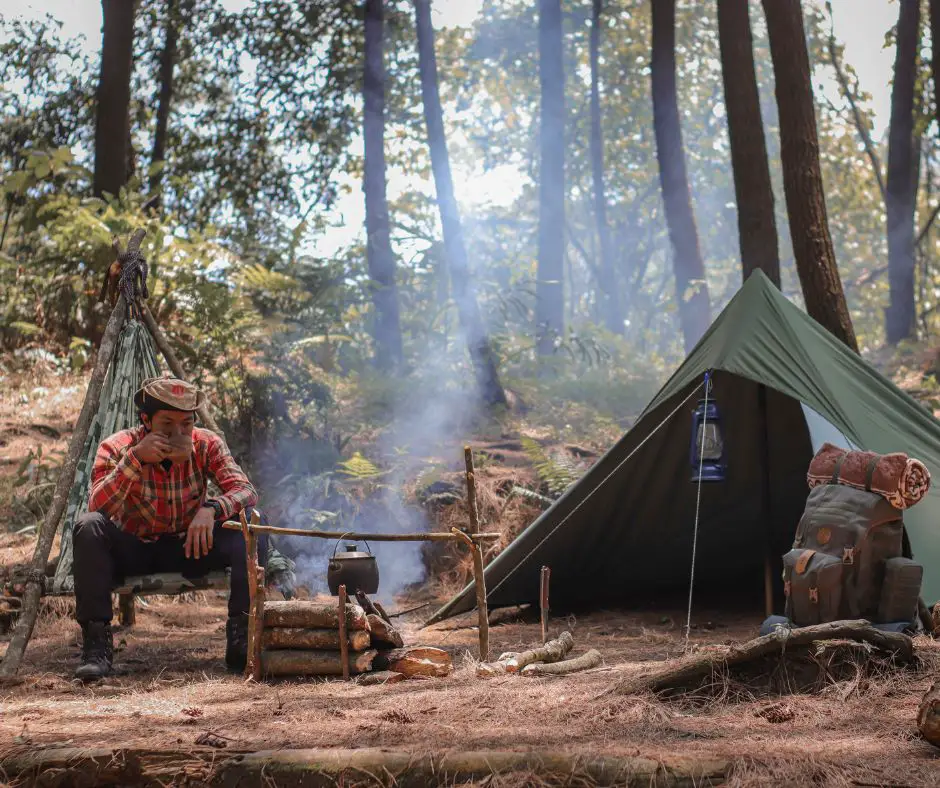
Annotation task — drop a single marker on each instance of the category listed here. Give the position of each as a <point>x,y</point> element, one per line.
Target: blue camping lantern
<point>708,463</point>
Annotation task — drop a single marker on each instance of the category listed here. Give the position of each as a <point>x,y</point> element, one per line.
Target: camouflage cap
<point>176,394</point>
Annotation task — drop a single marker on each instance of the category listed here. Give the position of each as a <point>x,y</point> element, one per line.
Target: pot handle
<point>343,537</point>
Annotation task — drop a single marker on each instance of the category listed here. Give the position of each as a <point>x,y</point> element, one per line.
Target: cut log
<point>380,677</point>
<point>586,661</point>
<point>689,672</point>
<point>553,651</point>
<point>381,611</point>
<point>312,615</point>
<point>413,661</point>
<point>298,637</point>
<point>384,635</point>
<point>928,715</point>
<point>297,662</point>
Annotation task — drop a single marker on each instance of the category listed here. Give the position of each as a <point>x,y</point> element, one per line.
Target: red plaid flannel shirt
<point>148,501</point>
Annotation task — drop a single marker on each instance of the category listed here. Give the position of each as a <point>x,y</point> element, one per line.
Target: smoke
<point>429,414</point>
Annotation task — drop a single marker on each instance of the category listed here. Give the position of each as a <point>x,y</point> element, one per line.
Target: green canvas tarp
<point>623,534</point>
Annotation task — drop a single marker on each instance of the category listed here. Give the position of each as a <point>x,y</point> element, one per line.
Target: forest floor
<point>171,689</point>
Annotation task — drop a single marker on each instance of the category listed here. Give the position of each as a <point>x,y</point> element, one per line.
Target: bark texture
<point>165,92</point>
<point>468,310</point>
<point>301,637</point>
<point>586,661</point>
<point>900,187</point>
<point>414,661</point>
<point>383,634</point>
<point>387,325</point>
<point>609,293</point>
<point>312,615</point>
<point>112,118</point>
<point>553,651</point>
<point>802,176</point>
<point>691,288</point>
<point>311,662</point>
<point>549,288</point>
<point>757,225</point>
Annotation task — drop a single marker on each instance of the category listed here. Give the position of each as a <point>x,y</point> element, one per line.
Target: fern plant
<point>556,470</point>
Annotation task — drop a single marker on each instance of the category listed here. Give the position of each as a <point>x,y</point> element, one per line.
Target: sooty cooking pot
<point>357,570</point>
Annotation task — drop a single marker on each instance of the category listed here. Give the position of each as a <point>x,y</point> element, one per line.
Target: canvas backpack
<point>848,544</point>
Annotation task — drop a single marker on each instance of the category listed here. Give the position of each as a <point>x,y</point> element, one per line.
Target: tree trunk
<point>900,190</point>
<point>481,353</point>
<point>112,119</point>
<point>549,287</point>
<point>935,57</point>
<point>387,325</point>
<point>802,176</point>
<point>610,294</point>
<point>691,287</point>
<point>757,226</point>
<point>164,95</point>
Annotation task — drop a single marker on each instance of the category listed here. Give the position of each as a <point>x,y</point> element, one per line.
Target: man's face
<point>171,423</point>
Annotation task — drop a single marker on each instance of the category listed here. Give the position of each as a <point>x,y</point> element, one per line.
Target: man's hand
<point>199,535</point>
<point>153,448</point>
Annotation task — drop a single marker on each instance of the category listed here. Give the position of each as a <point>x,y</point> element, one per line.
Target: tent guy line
<point>600,484</point>
<point>698,507</point>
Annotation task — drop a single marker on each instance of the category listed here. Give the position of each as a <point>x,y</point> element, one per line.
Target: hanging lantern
<point>707,450</point>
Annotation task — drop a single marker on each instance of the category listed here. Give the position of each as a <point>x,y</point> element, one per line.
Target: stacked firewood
<point>302,638</point>
<point>548,659</point>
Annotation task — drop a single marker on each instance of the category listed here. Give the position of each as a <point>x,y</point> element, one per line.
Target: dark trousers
<point>103,555</point>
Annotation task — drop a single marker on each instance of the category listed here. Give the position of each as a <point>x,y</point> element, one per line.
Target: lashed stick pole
<point>479,580</point>
<point>471,491</point>
<point>37,568</point>
<point>256,618</point>
<point>175,367</point>
<point>425,537</point>
<point>343,635</point>
<point>543,600</point>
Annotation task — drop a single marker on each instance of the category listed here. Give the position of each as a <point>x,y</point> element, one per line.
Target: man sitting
<point>148,512</point>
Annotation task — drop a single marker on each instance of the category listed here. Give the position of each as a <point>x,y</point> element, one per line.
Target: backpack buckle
<point>848,555</point>
<point>814,595</point>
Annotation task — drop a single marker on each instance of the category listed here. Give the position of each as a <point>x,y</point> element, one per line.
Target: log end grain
<point>928,715</point>
<point>416,662</point>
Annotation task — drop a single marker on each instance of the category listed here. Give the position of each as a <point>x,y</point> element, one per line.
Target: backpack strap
<point>838,468</point>
<point>870,473</point>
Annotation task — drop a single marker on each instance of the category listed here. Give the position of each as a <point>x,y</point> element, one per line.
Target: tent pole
<point>175,367</point>
<point>765,500</point>
<point>36,574</point>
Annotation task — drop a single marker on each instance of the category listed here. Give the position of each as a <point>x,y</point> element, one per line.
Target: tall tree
<point>481,352</point>
<point>691,287</point>
<point>549,288</point>
<point>164,93</point>
<point>935,53</point>
<point>610,294</point>
<point>757,225</point>
<point>802,175</point>
<point>900,187</point>
<point>112,120</point>
<point>381,260</point>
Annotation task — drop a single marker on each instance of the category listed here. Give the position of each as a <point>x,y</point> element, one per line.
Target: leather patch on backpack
<point>823,535</point>
<point>803,560</point>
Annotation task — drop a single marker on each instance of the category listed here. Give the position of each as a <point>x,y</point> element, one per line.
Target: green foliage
<point>557,470</point>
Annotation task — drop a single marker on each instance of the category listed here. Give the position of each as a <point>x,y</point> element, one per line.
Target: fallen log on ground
<point>928,715</point>
<point>553,651</point>
<point>380,677</point>
<point>383,634</point>
<point>66,766</point>
<point>312,615</point>
<point>691,672</point>
<point>310,662</point>
<point>586,661</point>
<point>415,661</point>
<point>300,637</point>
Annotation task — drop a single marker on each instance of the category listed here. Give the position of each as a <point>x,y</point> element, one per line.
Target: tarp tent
<point>623,534</point>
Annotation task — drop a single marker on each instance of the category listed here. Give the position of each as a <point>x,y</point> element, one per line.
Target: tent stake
<point>35,580</point>
<point>543,600</point>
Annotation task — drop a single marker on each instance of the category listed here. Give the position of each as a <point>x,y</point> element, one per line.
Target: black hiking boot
<point>97,651</point>
<point>236,643</point>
